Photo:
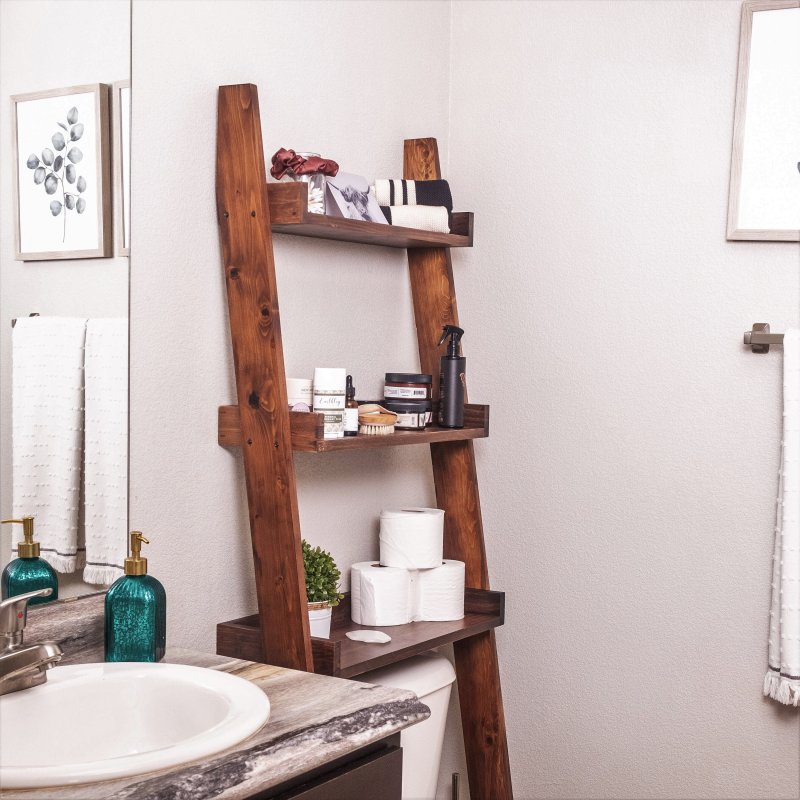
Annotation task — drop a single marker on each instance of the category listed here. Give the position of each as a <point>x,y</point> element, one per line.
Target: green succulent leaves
<point>54,170</point>
<point>322,575</point>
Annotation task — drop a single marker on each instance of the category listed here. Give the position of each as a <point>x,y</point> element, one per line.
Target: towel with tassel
<point>782,681</point>
<point>106,449</point>
<point>425,218</point>
<point>47,433</point>
<point>392,192</point>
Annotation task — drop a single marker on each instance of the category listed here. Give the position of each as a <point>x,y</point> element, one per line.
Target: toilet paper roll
<point>440,592</point>
<point>380,595</point>
<point>411,538</point>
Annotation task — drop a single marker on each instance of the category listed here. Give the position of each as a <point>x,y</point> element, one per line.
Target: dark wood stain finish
<point>456,482</point>
<point>343,658</point>
<point>288,203</point>
<point>307,430</point>
<point>248,212</point>
<point>243,216</point>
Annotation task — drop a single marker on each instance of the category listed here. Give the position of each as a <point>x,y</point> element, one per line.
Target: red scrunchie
<point>288,161</point>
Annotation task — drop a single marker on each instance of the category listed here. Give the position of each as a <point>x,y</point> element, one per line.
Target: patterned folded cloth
<point>426,218</point>
<point>413,193</point>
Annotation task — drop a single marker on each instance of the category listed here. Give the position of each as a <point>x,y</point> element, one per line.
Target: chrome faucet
<point>22,665</point>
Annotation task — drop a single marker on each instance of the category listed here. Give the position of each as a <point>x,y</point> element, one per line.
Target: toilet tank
<point>430,678</point>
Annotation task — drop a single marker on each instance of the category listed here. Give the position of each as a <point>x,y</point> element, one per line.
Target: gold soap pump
<point>136,611</point>
<point>135,564</point>
<point>29,572</point>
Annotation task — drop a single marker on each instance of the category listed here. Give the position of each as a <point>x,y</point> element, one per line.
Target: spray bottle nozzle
<point>454,345</point>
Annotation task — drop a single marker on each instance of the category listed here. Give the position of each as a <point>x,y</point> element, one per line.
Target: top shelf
<point>288,210</point>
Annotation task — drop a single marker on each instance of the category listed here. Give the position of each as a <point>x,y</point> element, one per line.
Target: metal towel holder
<point>760,338</point>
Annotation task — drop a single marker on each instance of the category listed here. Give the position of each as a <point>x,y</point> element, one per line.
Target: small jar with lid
<point>412,415</point>
<point>408,386</point>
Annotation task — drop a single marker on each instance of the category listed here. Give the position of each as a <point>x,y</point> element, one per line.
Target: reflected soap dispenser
<point>28,572</point>
<point>136,611</point>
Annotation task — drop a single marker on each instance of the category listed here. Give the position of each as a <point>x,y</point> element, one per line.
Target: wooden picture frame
<point>764,198</point>
<point>121,157</point>
<point>62,208</point>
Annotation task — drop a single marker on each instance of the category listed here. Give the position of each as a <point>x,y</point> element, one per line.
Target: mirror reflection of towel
<point>106,449</point>
<point>47,433</point>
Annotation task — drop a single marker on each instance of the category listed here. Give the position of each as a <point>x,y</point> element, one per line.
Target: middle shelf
<point>307,431</point>
<point>344,658</point>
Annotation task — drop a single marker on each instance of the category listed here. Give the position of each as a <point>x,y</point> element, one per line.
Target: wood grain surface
<point>244,227</point>
<point>288,204</point>
<point>344,658</point>
<point>456,481</point>
<point>307,431</point>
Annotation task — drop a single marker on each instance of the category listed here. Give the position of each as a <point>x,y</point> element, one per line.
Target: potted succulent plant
<point>322,588</point>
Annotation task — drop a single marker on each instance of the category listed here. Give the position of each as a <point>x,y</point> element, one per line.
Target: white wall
<point>628,485</point>
<point>90,44</point>
<point>628,482</point>
<point>348,80</point>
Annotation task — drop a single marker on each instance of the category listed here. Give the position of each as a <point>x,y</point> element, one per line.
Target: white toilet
<point>430,678</point>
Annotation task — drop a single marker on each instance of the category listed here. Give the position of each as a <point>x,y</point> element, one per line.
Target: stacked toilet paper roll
<point>413,582</point>
<point>411,538</point>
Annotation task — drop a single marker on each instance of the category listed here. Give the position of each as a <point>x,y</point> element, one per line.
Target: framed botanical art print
<point>62,173</point>
<point>764,201</point>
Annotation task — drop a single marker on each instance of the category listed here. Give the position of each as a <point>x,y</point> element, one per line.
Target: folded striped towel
<point>426,218</point>
<point>392,192</point>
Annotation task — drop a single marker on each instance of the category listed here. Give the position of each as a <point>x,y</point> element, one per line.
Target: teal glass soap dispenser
<point>28,572</point>
<point>136,611</point>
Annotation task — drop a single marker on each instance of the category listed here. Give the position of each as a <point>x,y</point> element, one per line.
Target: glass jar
<point>317,186</point>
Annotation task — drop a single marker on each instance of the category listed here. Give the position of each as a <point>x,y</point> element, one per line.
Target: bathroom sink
<point>93,722</point>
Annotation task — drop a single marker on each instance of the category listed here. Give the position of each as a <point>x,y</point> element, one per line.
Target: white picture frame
<point>764,198</point>
<point>62,208</point>
<point>121,157</point>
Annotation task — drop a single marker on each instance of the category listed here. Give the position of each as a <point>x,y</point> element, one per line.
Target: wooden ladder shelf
<point>248,211</point>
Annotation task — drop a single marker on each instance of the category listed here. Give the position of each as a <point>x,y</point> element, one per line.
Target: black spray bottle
<point>452,380</point>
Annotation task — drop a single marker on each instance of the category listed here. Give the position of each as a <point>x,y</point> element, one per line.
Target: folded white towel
<point>106,449</point>
<point>47,433</point>
<point>782,681</point>
<point>426,218</point>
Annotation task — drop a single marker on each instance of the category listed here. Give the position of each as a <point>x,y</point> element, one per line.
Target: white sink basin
<point>93,722</point>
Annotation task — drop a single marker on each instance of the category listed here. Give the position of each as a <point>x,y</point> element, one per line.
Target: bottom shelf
<point>344,658</point>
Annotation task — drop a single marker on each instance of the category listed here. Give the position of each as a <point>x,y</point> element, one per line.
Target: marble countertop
<point>314,720</point>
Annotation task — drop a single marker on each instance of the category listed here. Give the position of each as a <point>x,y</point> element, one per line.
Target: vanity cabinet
<point>375,776</point>
<point>249,210</point>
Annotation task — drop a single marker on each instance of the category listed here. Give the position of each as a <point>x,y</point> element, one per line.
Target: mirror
<point>79,288</point>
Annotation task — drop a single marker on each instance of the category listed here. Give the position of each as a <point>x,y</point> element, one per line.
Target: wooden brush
<point>375,420</point>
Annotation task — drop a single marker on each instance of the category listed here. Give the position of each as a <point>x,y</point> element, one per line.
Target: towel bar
<point>760,338</point>
<point>32,314</point>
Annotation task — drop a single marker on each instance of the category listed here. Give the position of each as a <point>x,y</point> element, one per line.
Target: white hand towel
<point>106,449</point>
<point>782,681</point>
<point>47,433</point>
<point>425,218</point>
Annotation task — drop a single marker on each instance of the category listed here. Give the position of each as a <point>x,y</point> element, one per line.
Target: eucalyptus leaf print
<point>57,171</point>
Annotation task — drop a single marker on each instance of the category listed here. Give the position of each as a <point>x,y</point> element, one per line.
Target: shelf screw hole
<point>252,213</point>
<point>225,214</point>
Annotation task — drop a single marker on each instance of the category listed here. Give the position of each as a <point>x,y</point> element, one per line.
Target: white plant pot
<point>319,618</point>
